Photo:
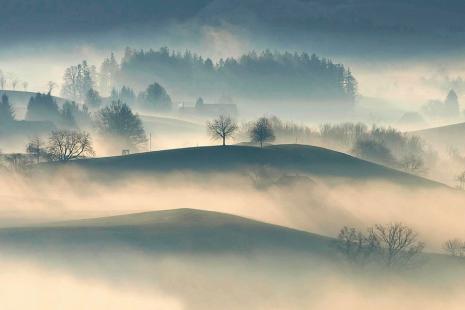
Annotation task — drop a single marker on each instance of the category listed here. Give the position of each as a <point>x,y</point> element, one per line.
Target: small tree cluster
<point>124,94</point>
<point>357,247</point>
<point>387,146</point>
<point>77,81</point>
<point>395,244</point>
<point>62,145</point>
<point>454,247</point>
<point>37,149</point>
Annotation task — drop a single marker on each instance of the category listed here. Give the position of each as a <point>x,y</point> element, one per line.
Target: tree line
<point>266,75</point>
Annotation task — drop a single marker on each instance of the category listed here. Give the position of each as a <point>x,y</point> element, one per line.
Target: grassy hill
<point>294,159</point>
<point>170,125</point>
<point>450,135</point>
<point>181,230</point>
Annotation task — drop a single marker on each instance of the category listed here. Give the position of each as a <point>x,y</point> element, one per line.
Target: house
<point>209,109</point>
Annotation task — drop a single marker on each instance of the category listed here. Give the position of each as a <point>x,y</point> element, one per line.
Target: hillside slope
<point>294,159</point>
<point>184,230</point>
<point>446,136</point>
<point>20,99</point>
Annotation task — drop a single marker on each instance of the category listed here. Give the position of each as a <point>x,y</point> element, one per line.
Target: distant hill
<point>445,136</point>
<point>298,159</point>
<point>20,99</point>
<point>170,125</point>
<point>184,230</point>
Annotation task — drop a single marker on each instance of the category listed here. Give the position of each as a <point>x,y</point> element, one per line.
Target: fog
<point>388,64</point>
<point>401,83</point>
<point>323,208</point>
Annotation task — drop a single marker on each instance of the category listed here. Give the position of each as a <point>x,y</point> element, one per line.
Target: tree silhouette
<point>156,97</point>
<point>117,121</point>
<point>77,81</point>
<point>93,98</point>
<point>7,113</point>
<point>36,148</point>
<point>351,86</point>
<point>108,72</point>
<point>65,145</point>
<point>398,243</point>
<point>42,107</point>
<point>262,131</point>
<point>222,128</point>
<point>451,104</point>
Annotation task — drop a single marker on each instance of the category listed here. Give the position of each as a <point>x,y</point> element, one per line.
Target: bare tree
<point>51,86</point>
<point>357,247</point>
<point>14,83</point>
<point>65,145</point>
<point>398,243</point>
<point>25,85</point>
<point>222,128</point>
<point>262,131</point>
<point>454,247</point>
<point>36,148</point>
<point>17,162</point>
<point>461,180</point>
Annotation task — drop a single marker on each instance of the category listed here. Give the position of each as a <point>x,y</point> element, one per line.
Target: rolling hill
<point>20,99</point>
<point>445,136</point>
<point>293,159</point>
<point>169,125</point>
<point>180,230</point>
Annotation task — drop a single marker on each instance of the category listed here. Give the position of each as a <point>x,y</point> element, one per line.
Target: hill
<point>184,230</point>
<point>20,99</point>
<point>169,125</point>
<point>297,159</point>
<point>445,136</point>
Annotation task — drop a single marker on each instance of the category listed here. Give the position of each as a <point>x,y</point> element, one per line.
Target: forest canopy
<point>254,75</point>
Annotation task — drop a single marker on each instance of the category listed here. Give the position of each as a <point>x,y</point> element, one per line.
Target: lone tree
<point>7,113</point>
<point>156,97</point>
<point>262,131</point>
<point>398,243</point>
<point>65,145</point>
<point>118,122</point>
<point>222,128</point>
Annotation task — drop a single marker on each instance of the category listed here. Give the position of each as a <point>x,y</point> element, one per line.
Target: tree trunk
<point>224,141</point>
